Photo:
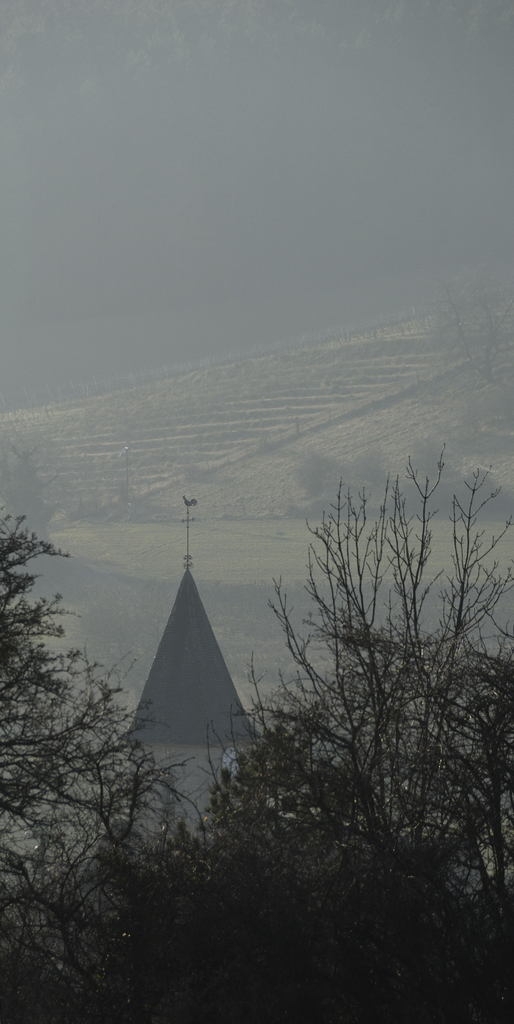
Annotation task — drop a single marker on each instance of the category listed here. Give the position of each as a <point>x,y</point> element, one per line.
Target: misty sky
<point>210,182</point>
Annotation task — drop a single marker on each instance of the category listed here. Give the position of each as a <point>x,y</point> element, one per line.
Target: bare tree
<point>73,785</point>
<point>382,771</point>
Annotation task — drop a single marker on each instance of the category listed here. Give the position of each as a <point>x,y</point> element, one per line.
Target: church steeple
<point>189,697</point>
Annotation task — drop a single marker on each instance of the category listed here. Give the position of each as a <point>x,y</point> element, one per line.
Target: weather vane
<point>189,503</point>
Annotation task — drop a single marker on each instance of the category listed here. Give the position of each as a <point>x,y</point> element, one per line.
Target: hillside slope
<point>270,435</point>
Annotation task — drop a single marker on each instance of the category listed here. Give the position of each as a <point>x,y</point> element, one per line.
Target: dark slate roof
<point>189,696</point>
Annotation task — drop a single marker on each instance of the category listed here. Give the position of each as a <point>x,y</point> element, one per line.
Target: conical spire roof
<point>189,697</point>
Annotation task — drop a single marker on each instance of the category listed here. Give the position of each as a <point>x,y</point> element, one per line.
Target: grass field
<point>231,552</point>
<point>228,551</point>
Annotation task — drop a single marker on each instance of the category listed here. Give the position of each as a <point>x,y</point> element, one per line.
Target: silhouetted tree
<point>358,865</point>
<point>72,785</point>
<point>377,804</point>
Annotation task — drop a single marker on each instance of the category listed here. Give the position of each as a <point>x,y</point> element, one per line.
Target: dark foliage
<point>374,814</point>
<point>358,865</point>
<point>72,786</point>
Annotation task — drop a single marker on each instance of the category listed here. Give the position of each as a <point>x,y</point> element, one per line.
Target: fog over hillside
<point>180,180</point>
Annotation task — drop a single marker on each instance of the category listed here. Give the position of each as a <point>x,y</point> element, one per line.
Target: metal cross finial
<point>189,503</point>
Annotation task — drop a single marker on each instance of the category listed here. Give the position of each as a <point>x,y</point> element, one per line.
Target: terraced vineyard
<point>204,428</point>
<point>265,435</point>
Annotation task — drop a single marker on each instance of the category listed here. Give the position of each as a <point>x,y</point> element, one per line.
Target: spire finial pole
<point>189,503</point>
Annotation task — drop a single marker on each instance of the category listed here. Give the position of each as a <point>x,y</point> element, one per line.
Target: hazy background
<point>188,179</point>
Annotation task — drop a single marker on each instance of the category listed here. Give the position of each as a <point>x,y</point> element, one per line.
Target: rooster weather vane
<point>189,503</point>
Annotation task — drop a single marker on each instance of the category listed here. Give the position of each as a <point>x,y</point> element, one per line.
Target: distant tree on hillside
<point>23,488</point>
<point>476,318</point>
<point>316,473</point>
